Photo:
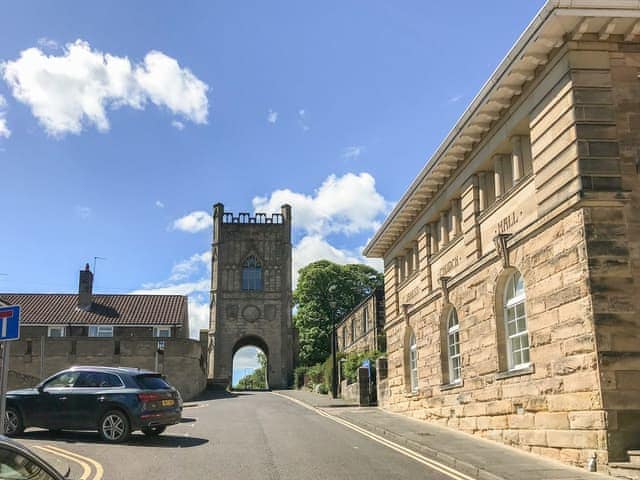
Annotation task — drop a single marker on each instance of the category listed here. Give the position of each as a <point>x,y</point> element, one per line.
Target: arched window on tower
<point>251,274</point>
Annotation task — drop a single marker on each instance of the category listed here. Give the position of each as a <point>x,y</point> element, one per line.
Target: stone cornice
<point>557,23</point>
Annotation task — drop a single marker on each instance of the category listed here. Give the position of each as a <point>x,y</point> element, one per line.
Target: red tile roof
<point>62,308</point>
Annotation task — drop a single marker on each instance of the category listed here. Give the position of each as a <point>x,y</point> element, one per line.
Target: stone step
<point>624,470</point>
<point>634,456</point>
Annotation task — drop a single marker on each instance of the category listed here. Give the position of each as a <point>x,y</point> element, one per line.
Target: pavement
<point>470,455</point>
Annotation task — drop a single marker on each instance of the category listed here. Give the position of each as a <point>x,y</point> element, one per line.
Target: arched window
<point>413,362</point>
<point>251,274</point>
<point>515,319</point>
<point>453,347</point>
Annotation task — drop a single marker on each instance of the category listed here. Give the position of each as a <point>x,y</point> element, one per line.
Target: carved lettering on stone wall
<point>251,313</point>
<point>269,312</point>
<point>411,294</point>
<point>507,223</point>
<point>450,265</point>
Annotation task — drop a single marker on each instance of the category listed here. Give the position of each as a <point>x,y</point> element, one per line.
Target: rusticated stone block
<point>546,420</point>
<point>521,421</point>
<point>587,420</point>
<point>572,439</point>
<point>533,437</point>
<point>573,401</point>
<point>500,407</point>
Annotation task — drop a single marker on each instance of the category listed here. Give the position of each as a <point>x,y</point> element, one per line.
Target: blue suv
<point>115,401</point>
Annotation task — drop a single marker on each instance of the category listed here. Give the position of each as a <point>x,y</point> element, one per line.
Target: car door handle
<point>101,398</point>
<point>62,398</point>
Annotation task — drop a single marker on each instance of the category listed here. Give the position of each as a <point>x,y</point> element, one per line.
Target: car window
<point>97,380</point>
<point>152,382</point>
<point>14,466</point>
<point>65,379</point>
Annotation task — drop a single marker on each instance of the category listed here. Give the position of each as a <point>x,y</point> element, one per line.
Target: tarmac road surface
<point>253,435</point>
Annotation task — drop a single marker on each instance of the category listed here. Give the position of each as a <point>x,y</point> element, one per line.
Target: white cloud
<point>73,90</point>
<point>83,212</point>
<point>313,248</point>
<point>194,222</point>
<point>349,204</point>
<point>177,124</point>
<point>352,152</point>
<point>187,268</point>
<point>302,119</point>
<point>4,129</point>
<point>272,117</point>
<point>48,43</point>
<point>455,99</point>
<point>159,204</point>
<point>246,358</point>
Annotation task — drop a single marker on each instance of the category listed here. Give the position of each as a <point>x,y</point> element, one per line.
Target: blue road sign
<point>10,323</point>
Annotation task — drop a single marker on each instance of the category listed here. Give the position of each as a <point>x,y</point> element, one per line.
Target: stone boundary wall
<point>182,361</point>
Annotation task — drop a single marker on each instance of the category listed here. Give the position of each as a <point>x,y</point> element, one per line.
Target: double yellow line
<point>85,463</point>
<point>440,467</point>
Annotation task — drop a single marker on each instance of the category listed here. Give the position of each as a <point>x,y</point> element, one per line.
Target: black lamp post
<point>334,347</point>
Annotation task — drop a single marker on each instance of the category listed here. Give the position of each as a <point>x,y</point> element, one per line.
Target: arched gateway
<point>251,293</point>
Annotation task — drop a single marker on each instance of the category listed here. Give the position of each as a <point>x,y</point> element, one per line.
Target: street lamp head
<point>332,304</point>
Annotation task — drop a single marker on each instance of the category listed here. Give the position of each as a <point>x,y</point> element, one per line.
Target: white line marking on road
<point>440,467</point>
<point>97,465</point>
<point>86,469</point>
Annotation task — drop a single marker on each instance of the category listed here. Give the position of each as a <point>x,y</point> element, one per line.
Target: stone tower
<point>251,293</point>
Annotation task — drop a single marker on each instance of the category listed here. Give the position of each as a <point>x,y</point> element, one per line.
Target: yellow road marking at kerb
<point>440,467</point>
<point>77,458</point>
<point>86,469</point>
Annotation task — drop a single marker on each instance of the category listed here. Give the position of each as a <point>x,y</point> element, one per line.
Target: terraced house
<point>512,262</point>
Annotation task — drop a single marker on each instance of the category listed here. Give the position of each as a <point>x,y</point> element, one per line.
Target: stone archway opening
<point>250,364</point>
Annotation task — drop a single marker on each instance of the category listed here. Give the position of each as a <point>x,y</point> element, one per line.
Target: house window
<point>413,363</point>
<point>353,330</point>
<point>251,274</point>
<point>344,337</point>
<point>515,318</point>
<point>101,331</point>
<point>56,331</point>
<point>164,332</point>
<point>453,347</point>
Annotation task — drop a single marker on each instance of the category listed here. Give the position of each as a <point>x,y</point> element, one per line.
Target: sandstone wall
<point>182,361</point>
<point>571,228</point>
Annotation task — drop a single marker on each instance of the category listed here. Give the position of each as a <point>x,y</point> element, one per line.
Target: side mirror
<point>40,388</point>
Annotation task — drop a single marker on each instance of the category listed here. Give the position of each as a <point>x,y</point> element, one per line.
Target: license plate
<point>168,403</point>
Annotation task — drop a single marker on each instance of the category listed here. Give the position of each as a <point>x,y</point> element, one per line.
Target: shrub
<point>355,359</point>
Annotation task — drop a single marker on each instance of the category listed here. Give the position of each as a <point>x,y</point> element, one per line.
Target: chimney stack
<point>85,288</point>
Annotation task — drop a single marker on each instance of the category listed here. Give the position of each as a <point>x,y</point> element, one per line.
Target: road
<point>256,435</point>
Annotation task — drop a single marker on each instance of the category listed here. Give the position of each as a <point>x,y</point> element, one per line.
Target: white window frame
<point>157,332</point>
<point>413,362</point>
<point>512,300</point>
<point>101,331</point>
<point>453,347</point>
<point>61,329</point>
<point>365,319</point>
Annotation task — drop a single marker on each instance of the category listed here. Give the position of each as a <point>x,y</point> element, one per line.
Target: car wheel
<point>13,422</point>
<point>114,426</point>
<point>153,431</point>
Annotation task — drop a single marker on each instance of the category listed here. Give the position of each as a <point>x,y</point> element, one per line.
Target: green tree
<point>318,284</point>
<point>257,380</point>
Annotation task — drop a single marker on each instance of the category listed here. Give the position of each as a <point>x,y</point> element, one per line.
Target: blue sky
<point>119,124</point>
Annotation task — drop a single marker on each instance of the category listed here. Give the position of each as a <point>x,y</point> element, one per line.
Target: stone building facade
<point>362,329</point>
<point>251,293</point>
<point>512,262</point>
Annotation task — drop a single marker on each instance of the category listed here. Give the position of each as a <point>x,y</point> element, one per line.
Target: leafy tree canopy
<point>318,284</point>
